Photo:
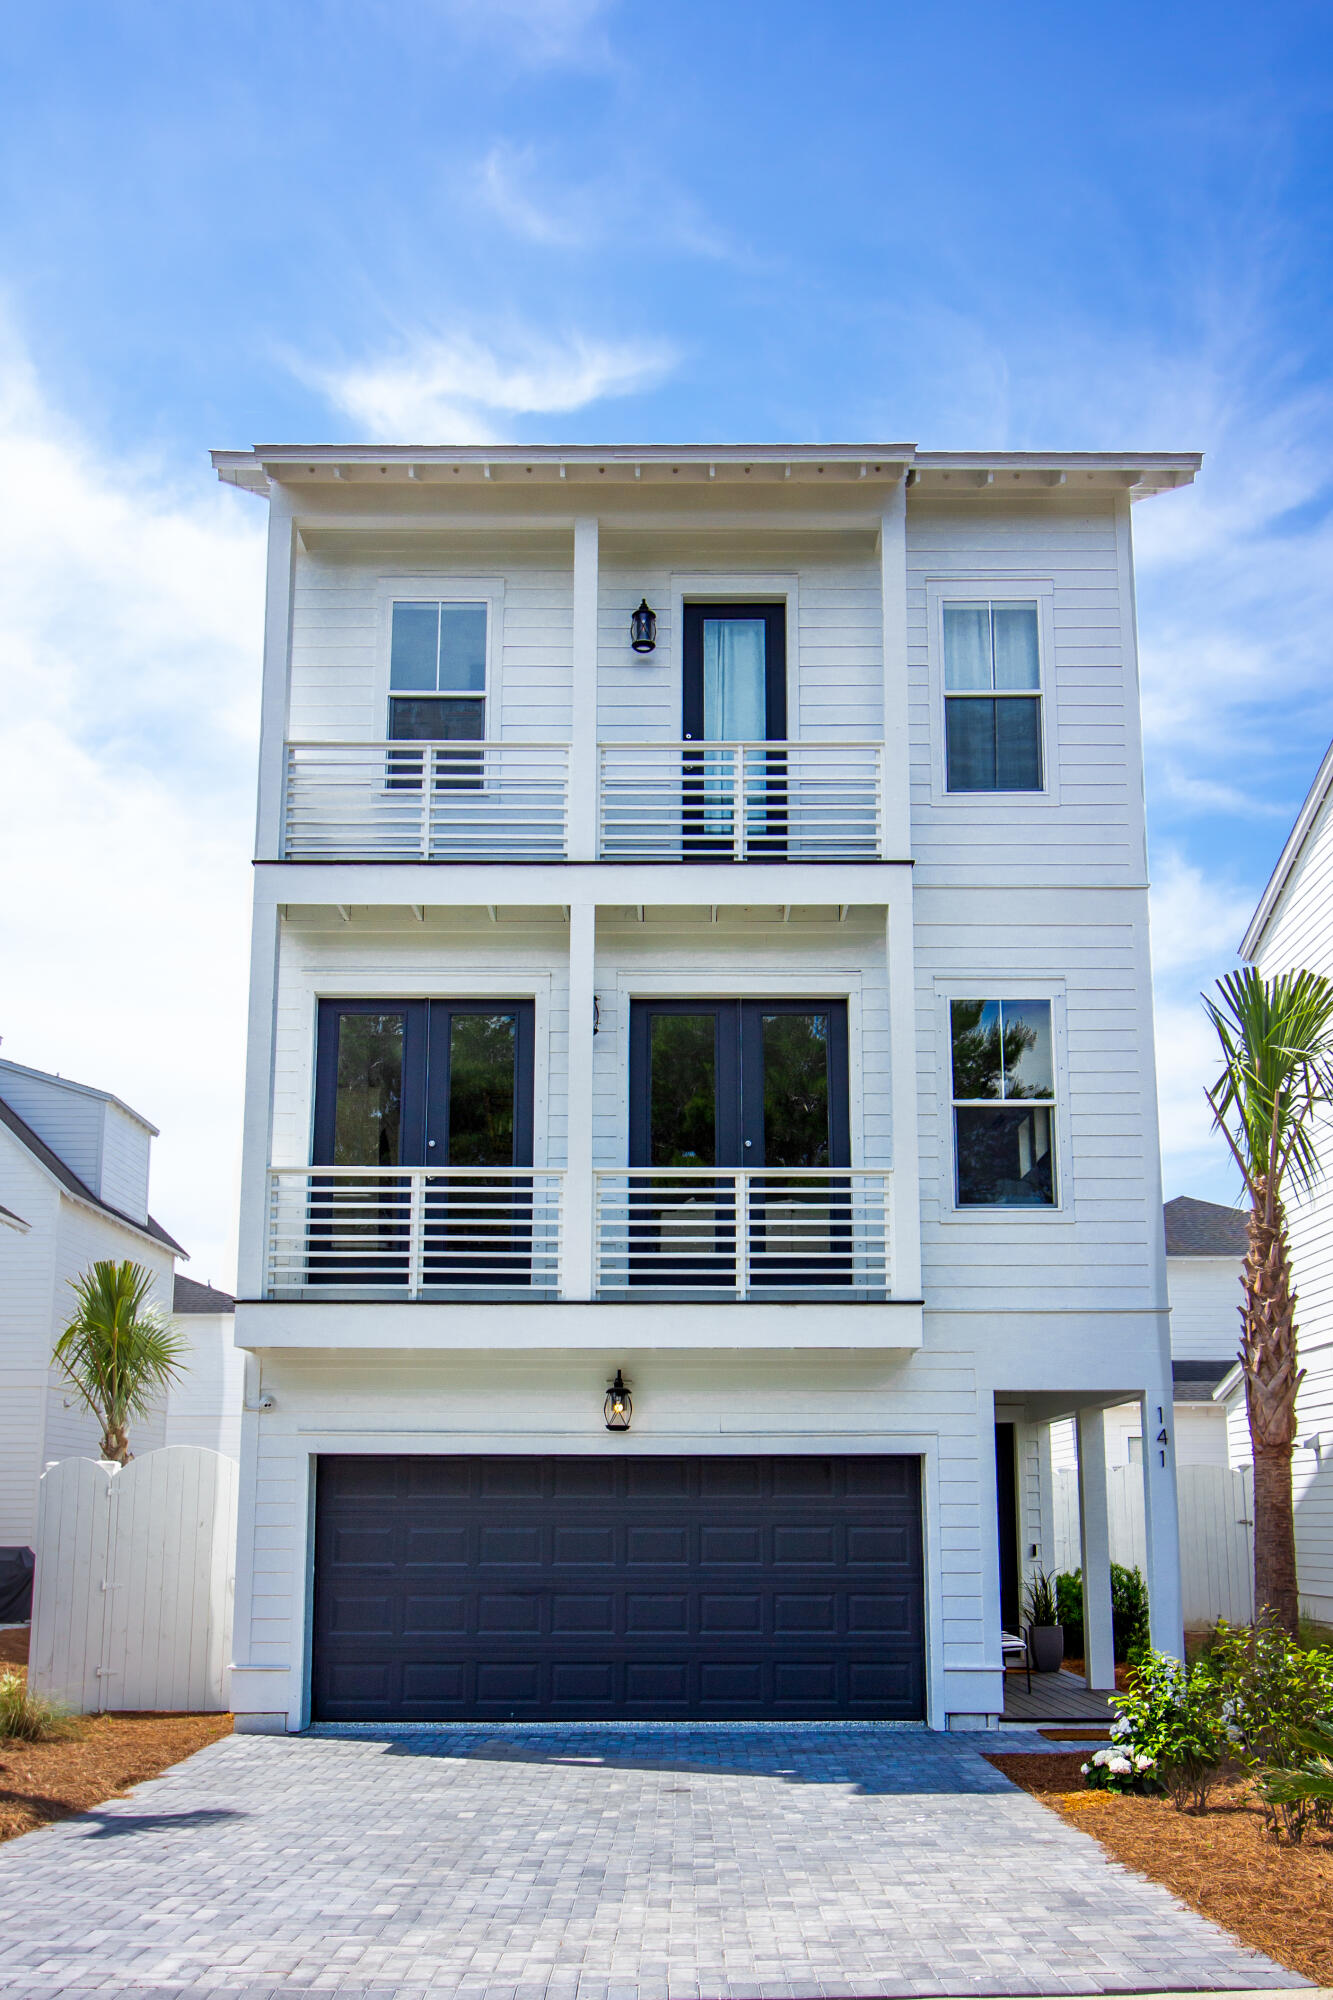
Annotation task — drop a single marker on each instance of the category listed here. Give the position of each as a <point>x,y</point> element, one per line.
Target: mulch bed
<point>1278,1900</point>
<point>41,1782</point>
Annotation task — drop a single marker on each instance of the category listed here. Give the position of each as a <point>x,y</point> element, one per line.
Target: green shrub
<point>1295,1796</point>
<point>1173,1716</point>
<point>1275,1692</point>
<point>31,1718</point>
<point>1129,1610</point>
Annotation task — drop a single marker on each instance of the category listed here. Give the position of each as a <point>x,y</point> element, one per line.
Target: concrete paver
<point>503,1863</point>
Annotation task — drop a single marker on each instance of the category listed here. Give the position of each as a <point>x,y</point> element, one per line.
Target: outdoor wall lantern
<point>618,1407</point>
<point>643,628</point>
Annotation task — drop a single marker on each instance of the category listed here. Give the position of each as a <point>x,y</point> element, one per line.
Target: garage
<point>651,1588</point>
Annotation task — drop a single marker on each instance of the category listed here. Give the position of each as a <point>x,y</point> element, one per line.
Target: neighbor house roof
<point>1195,1381</point>
<point>190,1297</point>
<point>600,465</point>
<point>71,1183</point>
<point>1289,856</point>
<point>12,1221</point>
<point>1203,1228</point>
<point>83,1089</point>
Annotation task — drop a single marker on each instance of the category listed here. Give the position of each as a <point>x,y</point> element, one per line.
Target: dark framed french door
<point>759,1084</point>
<point>424,1083</point>
<point>734,690</point>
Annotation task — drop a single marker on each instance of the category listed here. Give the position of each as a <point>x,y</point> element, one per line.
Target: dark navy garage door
<point>528,1589</point>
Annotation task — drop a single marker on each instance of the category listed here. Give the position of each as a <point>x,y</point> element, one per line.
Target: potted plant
<point>1045,1633</point>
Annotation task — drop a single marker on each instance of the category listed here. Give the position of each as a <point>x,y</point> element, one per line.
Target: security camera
<point>265,1402</point>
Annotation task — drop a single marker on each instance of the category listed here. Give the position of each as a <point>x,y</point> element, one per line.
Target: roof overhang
<point>664,465</point>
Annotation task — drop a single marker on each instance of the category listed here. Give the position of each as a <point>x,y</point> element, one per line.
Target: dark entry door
<point>424,1083</point>
<point>735,693</point>
<point>759,1084</point>
<point>502,1588</point>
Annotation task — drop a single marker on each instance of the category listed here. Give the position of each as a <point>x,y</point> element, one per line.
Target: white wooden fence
<point>1216,1535</point>
<point>132,1598</point>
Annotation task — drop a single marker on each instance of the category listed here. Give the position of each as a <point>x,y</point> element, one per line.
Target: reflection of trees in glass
<point>683,1067</point>
<point>370,1085</point>
<point>990,1040</point>
<point>481,1090</point>
<point>796,1124</point>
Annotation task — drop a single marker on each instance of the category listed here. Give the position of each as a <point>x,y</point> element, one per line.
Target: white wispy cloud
<point>1197,923</point>
<point>455,389</point>
<point>537,32</point>
<point>529,198</point>
<point>129,650</point>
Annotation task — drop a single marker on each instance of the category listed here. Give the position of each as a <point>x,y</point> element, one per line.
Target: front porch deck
<point>1060,1697</point>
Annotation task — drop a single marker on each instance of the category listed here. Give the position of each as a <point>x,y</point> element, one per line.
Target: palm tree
<point>118,1352</point>
<point>1277,1075</point>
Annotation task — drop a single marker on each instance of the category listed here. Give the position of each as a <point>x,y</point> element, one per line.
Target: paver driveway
<point>615,1864</point>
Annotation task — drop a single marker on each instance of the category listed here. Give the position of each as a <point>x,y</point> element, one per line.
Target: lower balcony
<point>496,1235</point>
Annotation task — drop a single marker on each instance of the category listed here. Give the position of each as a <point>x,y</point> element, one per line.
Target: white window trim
<point>443,588</point>
<point>483,985</point>
<point>994,589</point>
<point>713,984</point>
<point>1003,986</point>
<point>735,587</point>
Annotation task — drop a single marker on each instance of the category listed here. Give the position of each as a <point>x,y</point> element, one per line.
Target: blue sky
<point>1037,226</point>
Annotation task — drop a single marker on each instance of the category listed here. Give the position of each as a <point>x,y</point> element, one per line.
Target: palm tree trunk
<point>116,1443</point>
<point>1275,1537</point>
<point>1268,1358</point>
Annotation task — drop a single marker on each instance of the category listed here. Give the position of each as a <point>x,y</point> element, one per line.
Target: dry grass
<point>105,1755</point>
<point>1278,1900</point>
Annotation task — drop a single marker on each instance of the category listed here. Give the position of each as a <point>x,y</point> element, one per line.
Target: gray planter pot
<point>1047,1646</point>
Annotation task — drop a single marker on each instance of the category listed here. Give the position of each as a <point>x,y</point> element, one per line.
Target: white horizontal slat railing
<point>413,1232</point>
<point>741,801</point>
<point>744,1233</point>
<point>452,801</point>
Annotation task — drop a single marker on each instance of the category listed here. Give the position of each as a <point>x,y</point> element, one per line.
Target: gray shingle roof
<point>1195,1381</point>
<point>70,1181</point>
<point>190,1297</point>
<point>1203,1229</point>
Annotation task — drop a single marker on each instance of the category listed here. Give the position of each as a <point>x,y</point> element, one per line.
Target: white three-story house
<point>700,1125</point>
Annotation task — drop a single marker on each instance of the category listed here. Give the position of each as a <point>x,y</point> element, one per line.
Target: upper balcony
<point>660,801</point>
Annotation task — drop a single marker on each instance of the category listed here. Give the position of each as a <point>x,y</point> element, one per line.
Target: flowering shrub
<point>1122,1770</point>
<point>1274,1692</point>
<point>1173,1716</point>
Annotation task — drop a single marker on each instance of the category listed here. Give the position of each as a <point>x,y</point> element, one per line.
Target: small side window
<point>437,672</point>
<point>992,697</point>
<point>1003,1083</point>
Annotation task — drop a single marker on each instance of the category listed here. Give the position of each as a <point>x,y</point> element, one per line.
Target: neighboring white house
<point>74,1166</point>
<point>1205,1246</point>
<point>700,950</point>
<point>204,1402</point>
<point>1292,929</point>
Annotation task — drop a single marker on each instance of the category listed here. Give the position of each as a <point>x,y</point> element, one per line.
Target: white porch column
<point>897,814</point>
<point>905,1187</point>
<point>257,1115</point>
<point>578,1221</point>
<point>584,775</point>
<point>1094,1517</point>
<point>277,674</point>
<point>1161,1523</point>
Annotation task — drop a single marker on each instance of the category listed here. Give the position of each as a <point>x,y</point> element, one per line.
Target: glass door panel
<point>739,1084</point>
<point>479,1227</point>
<point>368,1114</point>
<point>735,694</point>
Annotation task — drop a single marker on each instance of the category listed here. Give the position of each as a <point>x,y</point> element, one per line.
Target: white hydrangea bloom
<point>1120,1767</point>
<point>1143,1762</point>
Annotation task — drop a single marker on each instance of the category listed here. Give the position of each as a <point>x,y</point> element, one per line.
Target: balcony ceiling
<point>529,467</point>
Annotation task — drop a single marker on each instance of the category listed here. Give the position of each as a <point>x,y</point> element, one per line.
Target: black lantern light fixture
<point>643,628</point>
<point>618,1407</point>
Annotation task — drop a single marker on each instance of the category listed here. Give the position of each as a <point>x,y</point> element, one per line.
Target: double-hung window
<point>992,697</point>
<point>1003,1082</point>
<point>437,672</point>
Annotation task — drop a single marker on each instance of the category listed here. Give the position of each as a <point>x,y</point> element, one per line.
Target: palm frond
<point>118,1352</point>
<point>1276,1038</point>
